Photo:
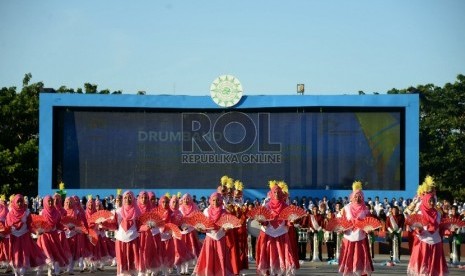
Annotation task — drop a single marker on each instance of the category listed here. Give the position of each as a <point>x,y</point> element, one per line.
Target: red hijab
<point>129,212</point>
<point>188,206</point>
<point>357,210</point>
<point>71,211</point>
<point>165,211</point>
<point>50,213</point>
<point>16,213</point>
<point>277,202</point>
<point>59,204</point>
<point>214,213</point>
<point>90,208</point>
<point>143,207</point>
<point>429,215</point>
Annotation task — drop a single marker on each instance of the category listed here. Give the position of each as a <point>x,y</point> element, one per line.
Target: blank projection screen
<point>148,148</point>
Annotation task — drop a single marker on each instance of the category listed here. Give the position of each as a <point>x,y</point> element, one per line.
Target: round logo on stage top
<point>226,91</point>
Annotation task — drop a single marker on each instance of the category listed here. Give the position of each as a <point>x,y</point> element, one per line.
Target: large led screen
<point>167,148</point>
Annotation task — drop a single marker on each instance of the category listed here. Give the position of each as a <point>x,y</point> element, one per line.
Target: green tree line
<point>442,137</point>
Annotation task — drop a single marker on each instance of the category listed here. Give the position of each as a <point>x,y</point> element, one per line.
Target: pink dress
<point>77,241</point>
<point>355,256</point>
<point>150,242</point>
<point>4,236</point>
<point>190,235</point>
<point>49,242</point>
<point>427,257</point>
<point>214,259</point>
<point>273,249</point>
<point>127,245</point>
<point>24,252</point>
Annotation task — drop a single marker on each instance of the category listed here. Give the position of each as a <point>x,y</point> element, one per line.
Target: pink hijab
<point>214,213</point>
<point>143,207</point>
<point>276,205</point>
<point>14,216</point>
<point>429,215</point>
<point>165,211</point>
<point>129,212</point>
<point>357,210</point>
<point>59,204</point>
<point>188,208</point>
<point>90,208</point>
<point>71,211</point>
<point>3,211</point>
<point>50,212</point>
<point>151,195</point>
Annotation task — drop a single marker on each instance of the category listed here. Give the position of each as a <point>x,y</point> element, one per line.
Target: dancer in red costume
<point>127,236</point>
<point>24,252</point>
<point>168,249</point>
<point>274,253</point>
<point>355,258</point>
<point>427,257</point>
<point>76,239</point>
<point>4,236</point>
<point>49,242</point>
<point>189,235</point>
<point>183,256</point>
<point>150,241</point>
<point>214,259</point>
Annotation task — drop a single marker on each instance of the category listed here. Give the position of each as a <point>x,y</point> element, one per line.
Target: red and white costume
<point>427,257</point>
<point>24,252</point>
<point>355,258</point>
<point>127,237</point>
<point>214,259</point>
<point>273,250</point>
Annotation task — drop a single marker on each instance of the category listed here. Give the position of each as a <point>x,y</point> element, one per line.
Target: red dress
<point>214,259</point>
<point>427,257</point>
<point>355,256</point>
<point>274,254</point>
<point>24,252</point>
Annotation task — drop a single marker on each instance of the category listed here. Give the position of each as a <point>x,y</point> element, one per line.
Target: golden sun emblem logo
<point>226,91</point>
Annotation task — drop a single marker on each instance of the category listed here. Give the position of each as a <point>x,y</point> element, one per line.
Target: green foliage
<point>442,134</point>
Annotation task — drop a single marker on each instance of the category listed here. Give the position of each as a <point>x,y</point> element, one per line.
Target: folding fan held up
<point>338,225</point>
<point>71,222</point>
<point>228,221</point>
<point>292,213</point>
<point>452,223</point>
<point>152,219</point>
<point>174,229</point>
<point>101,216</point>
<point>199,221</point>
<point>93,236</point>
<point>415,221</point>
<point>260,213</point>
<point>39,224</point>
<point>368,224</point>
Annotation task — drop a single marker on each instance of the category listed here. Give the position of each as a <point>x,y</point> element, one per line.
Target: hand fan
<point>338,225</point>
<point>175,231</point>
<point>39,224</point>
<point>260,213</point>
<point>414,221</point>
<point>292,213</point>
<point>452,223</point>
<point>101,216</point>
<point>199,221</point>
<point>228,221</point>
<point>368,224</point>
<point>152,219</point>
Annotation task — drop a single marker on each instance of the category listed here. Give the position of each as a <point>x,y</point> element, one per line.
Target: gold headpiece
<point>119,191</point>
<point>357,185</point>
<point>238,185</point>
<point>230,183</point>
<point>272,183</point>
<point>224,180</point>
<point>61,186</point>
